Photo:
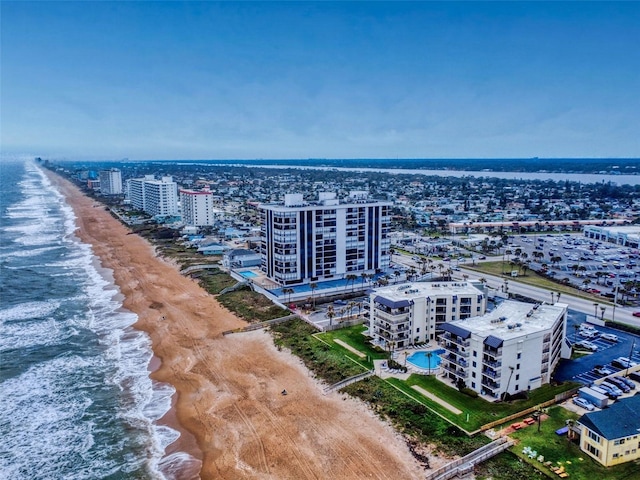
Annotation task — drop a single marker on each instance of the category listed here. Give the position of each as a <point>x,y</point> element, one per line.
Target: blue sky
<point>210,80</point>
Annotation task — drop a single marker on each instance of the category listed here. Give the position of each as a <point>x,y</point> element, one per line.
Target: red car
<point>636,314</point>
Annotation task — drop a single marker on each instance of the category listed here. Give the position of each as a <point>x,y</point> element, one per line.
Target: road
<point>496,283</point>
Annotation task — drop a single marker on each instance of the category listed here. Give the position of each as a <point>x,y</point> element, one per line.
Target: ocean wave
<point>80,402</point>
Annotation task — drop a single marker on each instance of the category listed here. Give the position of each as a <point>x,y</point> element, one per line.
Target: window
<point>518,376</point>
<point>615,455</point>
<point>473,374</point>
<point>417,329</point>
<point>473,384</point>
<point>594,436</point>
<point>474,364</point>
<point>518,366</point>
<point>517,387</point>
<point>619,442</point>
<point>519,355</point>
<point>475,354</point>
<point>593,450</point>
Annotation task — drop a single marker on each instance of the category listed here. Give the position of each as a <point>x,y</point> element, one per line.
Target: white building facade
<point>155,197</point>
<point>511,349</point>
<point>197,207</point>
<point>303,242</point>
<point>402,315</point>
<point>111,182</point>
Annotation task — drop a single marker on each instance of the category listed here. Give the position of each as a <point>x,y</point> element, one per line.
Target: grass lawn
<point>560,451</point>
<point>353,336</point>
<point>478,411</point>
<point>531,278</point>
<point>328,360</point>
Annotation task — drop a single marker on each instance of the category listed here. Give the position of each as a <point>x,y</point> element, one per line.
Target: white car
<point>609,336</point>
<point>587,345</point>
<point>581,402</point>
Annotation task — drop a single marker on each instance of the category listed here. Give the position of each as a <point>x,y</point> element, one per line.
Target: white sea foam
<point>29,310</point>
<point>57,432</point>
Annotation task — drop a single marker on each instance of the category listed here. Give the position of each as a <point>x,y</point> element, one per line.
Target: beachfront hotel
<point>155,197</point>
<point>511,349</point>
<point>402,315</point>
<point>197,207</point>
<point>110,181</point>
<point>304,242</point>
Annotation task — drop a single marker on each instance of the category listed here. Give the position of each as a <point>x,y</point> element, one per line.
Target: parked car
<point>611,386</point>
<point>636,314</point>
<point>635,376</point>
<point>581,402</point>
<point>619,383</point>
<point>609,336</point>
<point>602,370</point>
<point>588,333</point>
<point>587,345</point>
<point>623,362</point>
<point>630,383</point>
<point>605,391</point>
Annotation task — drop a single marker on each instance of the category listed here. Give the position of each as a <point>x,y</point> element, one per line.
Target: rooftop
<point>513,319</point>
<point>619,420</point>
<point>408,291</point>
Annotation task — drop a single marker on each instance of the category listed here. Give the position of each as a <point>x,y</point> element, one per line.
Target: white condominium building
<point>197,207</point>
<point>402,315</point>
<point>511,349</point>
<point>303,242</point>
<point>111,182</point>
<point>155,197</point>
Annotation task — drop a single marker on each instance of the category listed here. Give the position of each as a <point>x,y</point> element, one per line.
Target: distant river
<point>555,176</point>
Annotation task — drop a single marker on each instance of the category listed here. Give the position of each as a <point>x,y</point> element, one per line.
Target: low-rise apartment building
<point>612,436</point>
<point>511,349</point>
<point>402,315</point>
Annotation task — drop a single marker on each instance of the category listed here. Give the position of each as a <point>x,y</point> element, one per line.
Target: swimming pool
<point>426,359</point>
<point>248,274</point>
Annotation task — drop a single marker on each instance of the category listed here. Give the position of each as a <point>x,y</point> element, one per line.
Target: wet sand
<point>228,405</point>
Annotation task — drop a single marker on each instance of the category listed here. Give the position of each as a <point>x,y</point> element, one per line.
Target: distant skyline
<point>242,80</point>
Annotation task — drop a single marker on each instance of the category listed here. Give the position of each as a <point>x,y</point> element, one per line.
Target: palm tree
<point>313,286</point>
<point>595,306</point>
<point>602,309</point>
<point>558,296</point>
<point>288,291</point>
<point>351,278</point>
<point>397,274</point>
<point>331,313</point>
<point>576,327</point>
<point>429,355</point>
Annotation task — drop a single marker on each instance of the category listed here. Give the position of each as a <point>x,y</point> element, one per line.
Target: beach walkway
<point>432,397</point>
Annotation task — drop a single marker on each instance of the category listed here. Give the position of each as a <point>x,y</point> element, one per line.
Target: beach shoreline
<point>227,407</point>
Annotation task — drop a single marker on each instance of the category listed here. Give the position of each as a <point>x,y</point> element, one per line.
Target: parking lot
<point>581,369</point>
<point>588,264</point>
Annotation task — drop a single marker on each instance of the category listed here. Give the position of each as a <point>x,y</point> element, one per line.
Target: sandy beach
<point>228,405</point>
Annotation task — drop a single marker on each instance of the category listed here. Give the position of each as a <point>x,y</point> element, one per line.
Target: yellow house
<point>612,436</point>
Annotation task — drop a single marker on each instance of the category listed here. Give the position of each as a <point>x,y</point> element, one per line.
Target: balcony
<point>487,382</point>
<point>459,373</point>
<point>457,340</point>
<point>496,353</point>
<point>453,349</point>
<point>491,373</point>
<point>391,328</point>
<point>457,361</point>
<point>491,363</point>
<point>398,318</point>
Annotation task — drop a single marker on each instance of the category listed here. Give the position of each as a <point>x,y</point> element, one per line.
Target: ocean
<point>76,401</point>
